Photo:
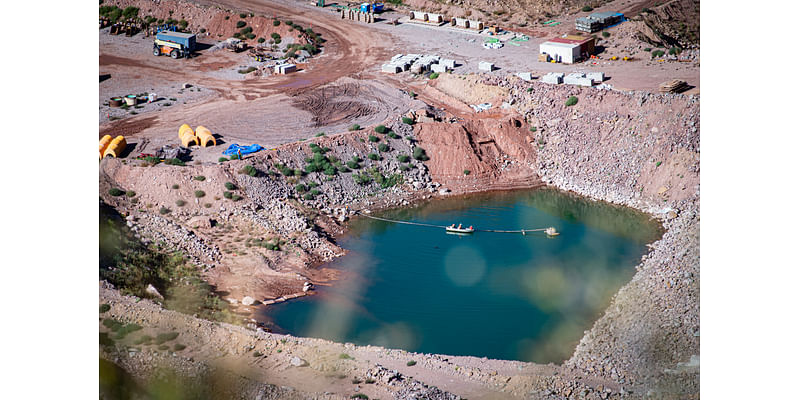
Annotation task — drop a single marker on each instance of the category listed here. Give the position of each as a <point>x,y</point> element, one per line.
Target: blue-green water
<point>497,295</point>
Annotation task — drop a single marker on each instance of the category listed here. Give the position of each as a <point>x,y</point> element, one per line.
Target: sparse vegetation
<point>587,8</point>
<point>419,154</point>
<point>354,127</point>
<point>606,34</point>
<point>276,23</point>
<point>373,156</point>
<point>175,186</point>
<point>380,129</point>
<point>200,178</point>
<point>373,138</point>
<point>403,158</point>
<point>230,186</point>
<point>345,356</point>
<point>300,188</point>
<point>222,159</point>
<point>249,170</point>
<point>383,147</point>
<point>162,338</point>
<point>467,172</point>
<point>362,179</point>
<point>408,121</point>
<point>360,396</point>
<point>180,203</point>
<point>571,101</point>
<point>393,135</point>
<point>240,24</point>
<point>227,195</point>
<point>199,193</point>
<point>657,53</point>
<point>247,70</point>
<point>115,192</point>
<point>433,75</point>
<point>411,363</point>
<point>104,308</point>
<point>174,161</point>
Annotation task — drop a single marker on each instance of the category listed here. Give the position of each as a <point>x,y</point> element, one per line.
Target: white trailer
<point>566,53</point>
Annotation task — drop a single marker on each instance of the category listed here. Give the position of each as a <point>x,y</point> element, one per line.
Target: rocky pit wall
<point>636,149</point>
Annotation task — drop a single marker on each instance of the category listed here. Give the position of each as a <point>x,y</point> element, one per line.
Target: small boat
<point>458,229</point>
<point>551,231</point>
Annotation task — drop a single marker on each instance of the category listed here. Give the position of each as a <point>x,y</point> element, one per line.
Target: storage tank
<point>186,135</point>
<point>104,144</point>
<point>205,136</point>
<point>116,147</point>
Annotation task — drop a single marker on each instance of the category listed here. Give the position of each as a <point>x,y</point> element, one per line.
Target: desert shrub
<point>175,186</point>
<point>383,147</point>
<point>467,172</point>
<point>249,170</point>
<point>242,15</point>
<point>199,193</point>
<point>179,347</point>
<point>164,210</point>
<point>369,381</point>
<point>404,168</point>
<point>354,127</point>
<point>162,338</point>
<point>658,164</point>
<point>246,70</point>
<point>115,192</point>
<point>353,165</point>
<point>380,129</point>
<point>433,75</point>
<point>240,24</point>
<point>236,197</point>
<point>419,154</point>
<point>606,34</point>
<point>202,30</point>
<point>298,172</point>
<point>250,36</point>
<point>300,188</point>
<point>373,138</point>
<point>222,159</point>
<point>411,363</point>
<point>200,178</point>
<point>104,308</point>
<point>360,396</point>
<point>647,49</point>
<point>571,101</point>
<point>403,158</point>
<point>587,8</point>
<point>261,40</point>
<point>276,23</point>
<point>373,156</point>
<point>674,51</point>
<point>230,186</point>
<point>227,195</point>
<point>408,121</point>
<point>234,157</point>
<point>362,179</point>
<point>308,196</point>
<point>393,135</point>
<point>174,161</point>
<point>183,24</point>
<point>180,203</point>
<point>533,129</point>
<point>657,53</point>
<point>320,134</point>
<point>275,35</point>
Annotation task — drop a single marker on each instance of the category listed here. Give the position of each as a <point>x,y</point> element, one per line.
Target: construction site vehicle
<point>258,55</point>
<point>494,29</point>
<point>174,44</point>
<point>236,45</point>
<point>320,3</point>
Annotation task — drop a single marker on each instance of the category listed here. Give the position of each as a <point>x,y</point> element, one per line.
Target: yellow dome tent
<point>116,147</point>
<point>104,144</point>
<point>205,136</point>
<point>186,135</point>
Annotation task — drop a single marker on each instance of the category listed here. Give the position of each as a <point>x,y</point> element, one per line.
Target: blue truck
<point>174,44</point>
<point>371,7</point>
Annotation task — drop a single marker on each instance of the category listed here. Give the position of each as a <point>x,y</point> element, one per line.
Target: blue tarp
<point>235,148</point>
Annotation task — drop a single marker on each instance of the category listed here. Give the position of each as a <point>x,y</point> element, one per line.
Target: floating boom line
<point>550,231</point>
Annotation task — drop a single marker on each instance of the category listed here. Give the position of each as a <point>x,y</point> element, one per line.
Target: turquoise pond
<point>495,295</point>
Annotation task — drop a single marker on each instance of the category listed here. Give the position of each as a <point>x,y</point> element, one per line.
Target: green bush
<point>104,308</point>
<point>393,135</point>
<point>164,210</point>
<point>647,49</point>
<point>200,178</point>
<point>230,186</point>
<point>467,172</point>
<point>587,9</point>
<point>250,36</point>
<point>408,121</point>
<point>249,170</point>
<point>236,197</point>
<point>362,179</point>
<point>433,75</point>
<point>360,396</point>
<point>175,186</point>
<point>354,127</point>
<point>298,172</point>
<point>234,157</point>
<point>242,15</point>
<point>419,154</point>
<point>320,134</point>
<point>606,34</point>
<point>657,53</point>
<point>404,167</point>
<point>275,35</point>
<point>403,158</point>
<point>300,188</point>
<point>180,203</point>
<point>202,30</point>
<point>373,156</point>
<point>162,338</point>
<point>240,24</point>
<point>373,138</point>
<point>261,40</point>
<point>174,161</point>
<point>380,129</point>
<point>674,51</point>
<point>411,363</point>
<point>183,24</point>
<point>308,196</point>
<point>353,165</point>
<point>533,129</point>
<point>115,192</point>
<point>178,347</point>
<point>222,159</point>
<point>199,193</point>
<point>227,195</point>
<point>383,147</point>
<point>276,22</point>
<point>571,101</point>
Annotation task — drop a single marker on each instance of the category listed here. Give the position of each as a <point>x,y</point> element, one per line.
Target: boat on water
<point>459,229</point>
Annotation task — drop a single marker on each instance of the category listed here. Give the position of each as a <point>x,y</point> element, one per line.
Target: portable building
<point>448,63</point>
<point>554,78</point>
<point>566,53</point>
<point>186,135</point>
<point>586,43</point>
<point>284,69</point>
<point>485,66</point>
<point>596,77</point>
<point>438,68</point>
<point>391,68</point>
<point>525,76</point>
<point>577,78</point>
<point>104,144</point>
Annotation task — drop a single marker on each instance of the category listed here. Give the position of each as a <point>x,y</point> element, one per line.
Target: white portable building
<point>485,66</point>
<point>566,53</point>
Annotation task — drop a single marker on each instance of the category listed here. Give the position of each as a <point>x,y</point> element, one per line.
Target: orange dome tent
<point>116,147</point>
<point>186,135</point>
<point>205,136</point>
<point>104,144</point>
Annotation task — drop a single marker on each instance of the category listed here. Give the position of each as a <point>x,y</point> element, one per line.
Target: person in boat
<point>470,227</point>
<point>459,226</point>
<point>453,226</point>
